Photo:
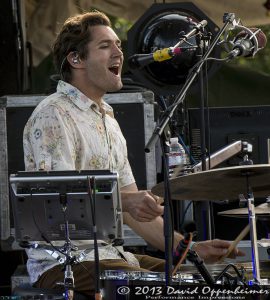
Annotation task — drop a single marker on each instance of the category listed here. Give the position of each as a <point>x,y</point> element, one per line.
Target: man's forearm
<point>152,232</point>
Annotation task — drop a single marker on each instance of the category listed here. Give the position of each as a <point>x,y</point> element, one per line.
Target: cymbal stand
<point>253,237</point>
<point>253,233</point>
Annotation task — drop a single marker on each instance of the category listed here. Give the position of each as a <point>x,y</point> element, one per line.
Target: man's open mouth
<point>114,69</point>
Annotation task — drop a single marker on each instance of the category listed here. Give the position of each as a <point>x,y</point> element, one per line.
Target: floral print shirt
<point>68,131</point>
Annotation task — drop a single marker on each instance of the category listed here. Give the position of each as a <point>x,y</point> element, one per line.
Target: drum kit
<point>242,183</point>
<point>223,184</point>
<point>212,185</point>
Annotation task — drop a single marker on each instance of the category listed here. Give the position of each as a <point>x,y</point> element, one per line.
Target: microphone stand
<point>203,208</point>
<point>68,278</point>
<point>168,219</point>
<point>92,198</point>
<point>159,133</point>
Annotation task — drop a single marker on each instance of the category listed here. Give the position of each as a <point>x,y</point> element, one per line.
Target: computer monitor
<point>39,200</point>
<point>229,124</point>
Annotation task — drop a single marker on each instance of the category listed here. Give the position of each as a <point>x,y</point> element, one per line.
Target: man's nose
<point>117,50</point>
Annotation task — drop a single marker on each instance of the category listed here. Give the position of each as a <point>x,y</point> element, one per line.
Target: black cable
<point>68,259</point>
<point>162,102</point>
<point>229,280</point>
<point>164,107</point>
<point>240,276</point>
<point>168,109</point>
<point>43,235</point>
<point>187,151</point>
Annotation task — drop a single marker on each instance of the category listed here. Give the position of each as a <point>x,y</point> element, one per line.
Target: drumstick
<point>241,235</point>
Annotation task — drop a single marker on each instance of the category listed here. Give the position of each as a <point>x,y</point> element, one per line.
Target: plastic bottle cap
<point>174,140</point>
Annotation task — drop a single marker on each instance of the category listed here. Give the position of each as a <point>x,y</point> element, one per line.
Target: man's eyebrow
<point>109,41</point>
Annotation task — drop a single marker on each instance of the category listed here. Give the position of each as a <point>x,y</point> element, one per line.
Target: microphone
<point>201,267</point>
<point>141,60</point>
<point>194,31</point>
<point>193,257</point>
<point>248,42</point>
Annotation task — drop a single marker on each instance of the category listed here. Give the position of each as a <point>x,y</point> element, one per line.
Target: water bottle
<point>177,156</point>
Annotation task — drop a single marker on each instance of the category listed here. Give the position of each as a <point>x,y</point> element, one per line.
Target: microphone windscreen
<point>189,226</point>
<point>261,37</point>
<point>244,36</point>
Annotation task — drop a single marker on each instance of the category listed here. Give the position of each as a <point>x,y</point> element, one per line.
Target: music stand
<point>57,206</point>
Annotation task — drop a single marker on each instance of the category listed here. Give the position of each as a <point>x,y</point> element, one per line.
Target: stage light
<point>162,26</point>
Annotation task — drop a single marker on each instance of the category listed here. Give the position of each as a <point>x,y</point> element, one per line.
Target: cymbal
<point>262,210</point>
<point>219,184</point>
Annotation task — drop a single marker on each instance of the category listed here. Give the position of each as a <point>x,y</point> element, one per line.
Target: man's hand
<point>211,251</point>
<point>143,206</point>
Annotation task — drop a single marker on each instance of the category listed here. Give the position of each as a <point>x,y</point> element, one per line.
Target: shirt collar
<point>79,99</point>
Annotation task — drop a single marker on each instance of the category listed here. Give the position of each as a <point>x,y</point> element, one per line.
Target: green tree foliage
<point>121,27</point>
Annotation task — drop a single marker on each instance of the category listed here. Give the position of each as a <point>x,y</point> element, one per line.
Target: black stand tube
<point>203,208</point>
<point>168,220</point>
<point>68,278</point>
<point>92,196</point>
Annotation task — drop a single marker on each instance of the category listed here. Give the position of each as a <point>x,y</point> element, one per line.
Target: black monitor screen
<point>229,124</point>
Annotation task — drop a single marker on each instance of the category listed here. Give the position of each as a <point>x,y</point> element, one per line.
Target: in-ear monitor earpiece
<point>75,58</point>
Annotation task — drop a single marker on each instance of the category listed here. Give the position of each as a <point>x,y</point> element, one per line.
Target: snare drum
<point>113,280</point>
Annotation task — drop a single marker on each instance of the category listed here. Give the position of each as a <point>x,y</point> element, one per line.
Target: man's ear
<point>74,59</point>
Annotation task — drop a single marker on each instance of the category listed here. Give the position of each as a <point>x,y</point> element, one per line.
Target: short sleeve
<point>48,141</point>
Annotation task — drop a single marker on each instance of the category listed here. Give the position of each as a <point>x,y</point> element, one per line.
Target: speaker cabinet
<point>133,111</point>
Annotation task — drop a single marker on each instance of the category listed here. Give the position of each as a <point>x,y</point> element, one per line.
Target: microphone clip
<point>228,17</point>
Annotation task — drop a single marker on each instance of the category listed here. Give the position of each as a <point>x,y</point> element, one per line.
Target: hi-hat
<point>262,210</point>
<point>220,184</point>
